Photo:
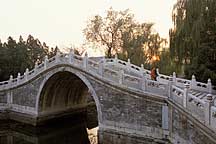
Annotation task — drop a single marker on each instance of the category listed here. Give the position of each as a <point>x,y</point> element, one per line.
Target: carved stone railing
<point>78,61</point>
<point>177,89</point>
<point>203,110</point>
<point>180,82</point>
<point>133,77</point>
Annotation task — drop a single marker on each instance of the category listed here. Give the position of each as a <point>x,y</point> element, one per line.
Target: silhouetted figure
<point>154,74</point>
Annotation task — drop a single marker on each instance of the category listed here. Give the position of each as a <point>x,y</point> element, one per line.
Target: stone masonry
<point>129,105</point>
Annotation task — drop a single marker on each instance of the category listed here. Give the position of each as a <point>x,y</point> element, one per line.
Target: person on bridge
<point>154,74</point>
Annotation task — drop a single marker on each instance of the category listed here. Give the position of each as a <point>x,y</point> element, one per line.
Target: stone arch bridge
<point>128,102</point>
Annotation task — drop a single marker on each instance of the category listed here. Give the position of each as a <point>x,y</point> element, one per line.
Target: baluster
<point>143,81</point>
<point>208,104</point>
<point>11,79</point>
<point>57,56</point>
<point>170,83</point>
<point>71,56</point>
<point>174,78</point>
<point>26,74</point>
<point>185,96</point>
<point>46,62</point>
<point>142,69</point>
<point>36,67</point>
<point>85,61</point>
<point>193,82</point>
<point>116,59</point>
<point>18,78</point>
<point>157,73</point>
<point>101,66</point>
<point>121,76</point>
<point>128,65</point>
<point>209,86</point>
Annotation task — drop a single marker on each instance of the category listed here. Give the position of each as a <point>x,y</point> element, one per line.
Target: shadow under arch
<point>65,90</point>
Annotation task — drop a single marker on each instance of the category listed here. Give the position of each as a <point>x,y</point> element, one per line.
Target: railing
<point>131,76</point>
<point>177,95</point>
<point>196,107</point>
<point>205,87</point>
<point>94,66</point>
<point>202,109</point>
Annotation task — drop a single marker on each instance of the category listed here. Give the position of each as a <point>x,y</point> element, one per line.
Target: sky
<point>60,22</point>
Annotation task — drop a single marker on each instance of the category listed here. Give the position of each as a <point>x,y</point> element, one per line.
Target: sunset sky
<point>60,22</point>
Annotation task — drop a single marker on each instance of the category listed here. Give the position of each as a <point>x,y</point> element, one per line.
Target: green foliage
<point>193,39</point>
<point>166,64</point>
<point>133,40</point>
<point>120,34</point>
<point>17,56</point>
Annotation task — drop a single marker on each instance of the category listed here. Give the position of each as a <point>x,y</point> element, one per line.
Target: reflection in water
<point>64,131</point>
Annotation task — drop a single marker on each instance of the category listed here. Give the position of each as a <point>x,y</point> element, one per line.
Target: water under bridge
<point>128,102</point>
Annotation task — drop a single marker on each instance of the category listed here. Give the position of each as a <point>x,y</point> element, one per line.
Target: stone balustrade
<point>136,78</point>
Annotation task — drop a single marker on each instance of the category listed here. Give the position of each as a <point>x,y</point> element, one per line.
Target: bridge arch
<point>73,82</point>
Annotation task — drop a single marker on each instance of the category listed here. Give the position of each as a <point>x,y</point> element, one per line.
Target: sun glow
<point>155,58</point>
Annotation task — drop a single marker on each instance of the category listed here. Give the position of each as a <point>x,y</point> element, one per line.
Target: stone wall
<point>3,97</point>
<point>185,130</point>
<point>121,111</point>
<point>27,94</point>
<point>128,113</point>
<point>116,137</point>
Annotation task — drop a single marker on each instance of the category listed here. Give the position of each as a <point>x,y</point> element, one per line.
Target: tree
<point>2,60</point>
<point>22,58</point>
<point>140,44</point>
<point>133,40</point>
<point>53,51</point>
<point>166,64</point>
<point>36,51</point>
<point>15,57</point>
<point>122,35</point>
<point>107,31</point>
<point>193,38</point>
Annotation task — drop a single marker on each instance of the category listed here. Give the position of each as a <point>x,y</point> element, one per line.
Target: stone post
<point>193,82</point>
<point>45,62</point>
<point>174,78</point>
<point>121,76</point>
<point>57,56</point>
<point>10,79</point>
<point>85,61</point>
<point>209,86</point>
<point>18,78</point>
<point>165,118</point>
<point>142,69</point>
<point>185,96</point>
<point>208,104</point>
<point>143,82</point>
<point>71,56</point>
<point>36,67</point>
<point>26,74</point>
<point>116,59</point>
<point>170,83</point>
<point>101,66</point>
<point>128,65</point>
<point>158,74</point>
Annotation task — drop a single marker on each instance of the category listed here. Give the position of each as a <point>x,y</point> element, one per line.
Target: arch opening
<point>64,95</point>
